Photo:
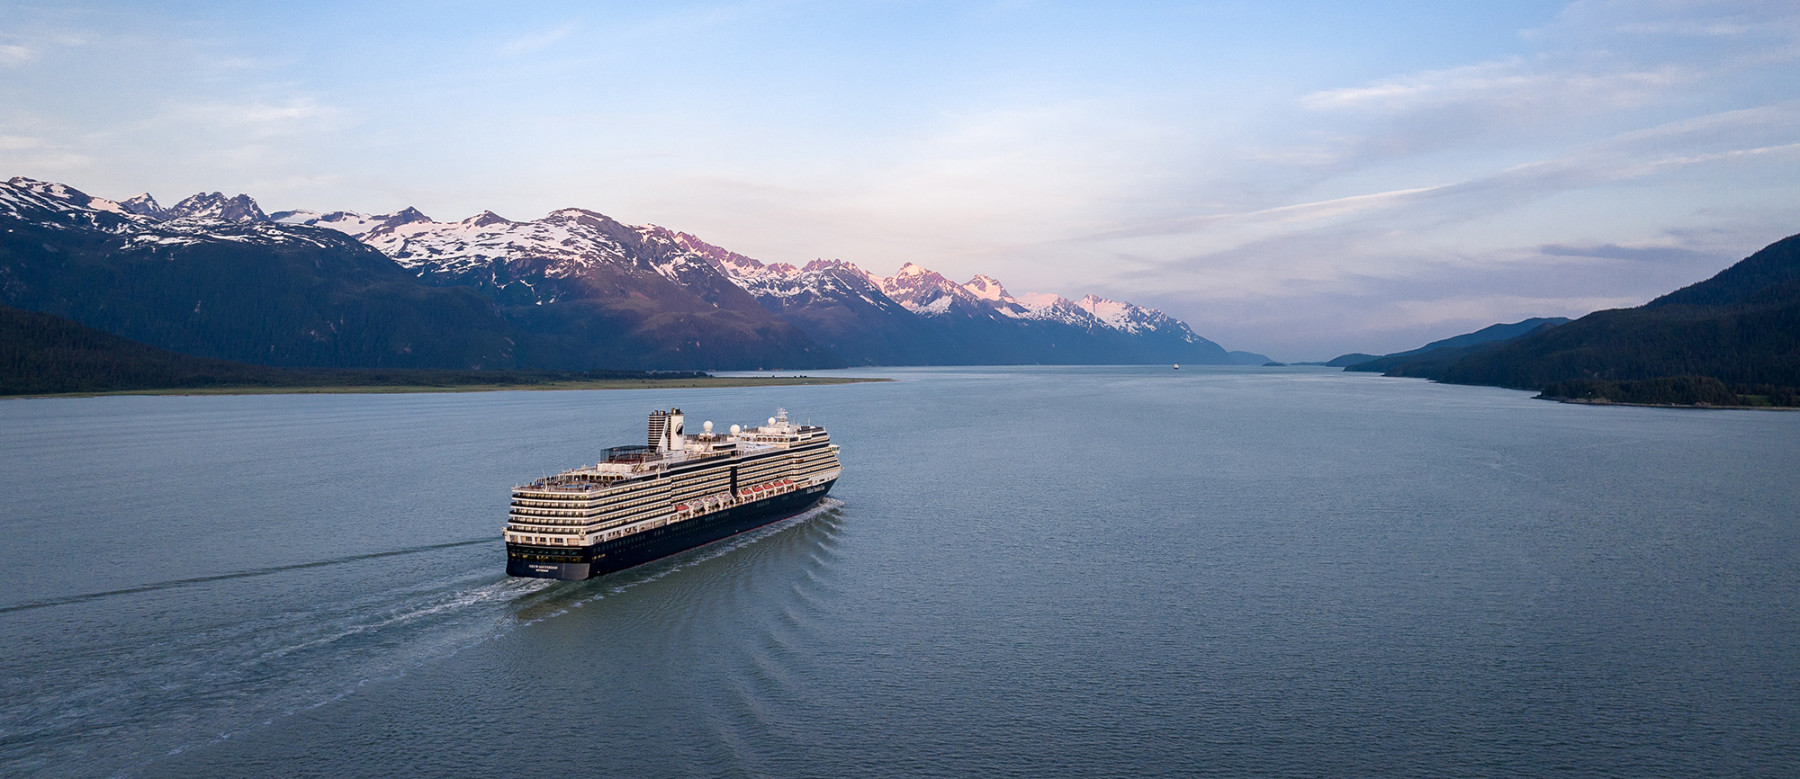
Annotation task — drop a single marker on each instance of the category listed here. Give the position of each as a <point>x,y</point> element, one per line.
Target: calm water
<point>1026,572</point>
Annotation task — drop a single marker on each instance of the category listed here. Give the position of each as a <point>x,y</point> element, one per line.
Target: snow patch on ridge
<point>65,206</point>
<point>349,223</point>
<point>568,242</point>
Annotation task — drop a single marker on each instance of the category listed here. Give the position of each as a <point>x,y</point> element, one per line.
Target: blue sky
<point>1300,179</point>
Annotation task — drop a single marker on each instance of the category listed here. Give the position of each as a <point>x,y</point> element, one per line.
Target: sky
<point>1297,179</point>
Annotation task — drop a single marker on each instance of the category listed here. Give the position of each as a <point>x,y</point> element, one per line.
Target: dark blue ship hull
<point>545,562</point>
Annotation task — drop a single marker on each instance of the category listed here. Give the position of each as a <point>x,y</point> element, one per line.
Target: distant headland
<point>1730,341</point>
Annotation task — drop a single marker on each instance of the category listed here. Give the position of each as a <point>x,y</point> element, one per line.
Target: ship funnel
<point>665,430</point>
<point>659,426</point>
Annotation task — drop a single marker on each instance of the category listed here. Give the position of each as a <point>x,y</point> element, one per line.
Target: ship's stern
<point>542,564</point>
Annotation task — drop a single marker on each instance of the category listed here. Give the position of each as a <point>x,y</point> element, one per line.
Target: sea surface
<point>1023,572</point>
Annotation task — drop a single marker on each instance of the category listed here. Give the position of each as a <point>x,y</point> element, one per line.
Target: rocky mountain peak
<point>144,205</point>
<point>987,288</point>
<point>215,205</point>
<point>485,219</point>
<point>594,219</point>
<point>835,266</point>
<point>924,291</point>
<point>1132,318</point>
<point>406,215</point>
<point>818,265</point>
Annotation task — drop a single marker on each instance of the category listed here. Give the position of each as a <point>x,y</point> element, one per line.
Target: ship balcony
<point>558,492</point>
<point>540,538</point>
<point>521,511</point>
<point>546,522</point>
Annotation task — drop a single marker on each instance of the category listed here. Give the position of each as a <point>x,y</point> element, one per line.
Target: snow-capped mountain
<point>59,206</point>
<point>250,291</point>
<point>563,244</point>
<point>928,318</point>
<point>576,260</point>
<point>836,302</point>
<point>1126,317</point>
<point>144,205</point>
<point>989,288</point>
<point>571,254</point>
<point>203,205</point>
<point>1032,305</point>
<point>648,296</point>
<point>926,292</point>
<point>214,205</point>
<point>1056,308</point>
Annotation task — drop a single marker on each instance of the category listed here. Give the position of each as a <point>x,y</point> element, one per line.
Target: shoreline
<point>710,382</point>
<point>1676,406</point>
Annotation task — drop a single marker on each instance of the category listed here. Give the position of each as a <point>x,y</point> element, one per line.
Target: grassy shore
<point>590,384</point>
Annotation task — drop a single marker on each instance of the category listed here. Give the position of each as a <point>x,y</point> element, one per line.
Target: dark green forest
<point>42,354</point>
<point>1672,391</point>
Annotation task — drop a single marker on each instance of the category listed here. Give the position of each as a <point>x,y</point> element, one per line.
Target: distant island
<point>1731,340</point>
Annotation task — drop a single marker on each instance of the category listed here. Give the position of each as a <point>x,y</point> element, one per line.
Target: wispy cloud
<point>20,142</point>
<point>1613,251</point>
<point>1408,212</point>
<point>259,118</point>
<point>1506,85</point>
<point>15,54</point>
<point>1285,215</point>
<point>538,41</point>
<point>40,155</point>
<point>1484,309</point>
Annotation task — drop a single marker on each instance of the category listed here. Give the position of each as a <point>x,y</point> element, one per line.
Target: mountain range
<point>218,276</point>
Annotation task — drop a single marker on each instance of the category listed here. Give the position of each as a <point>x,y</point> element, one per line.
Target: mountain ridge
<point>577,282</point>
<point>1447,348</point>
<point>915,287</point>
<point>1738,330</point>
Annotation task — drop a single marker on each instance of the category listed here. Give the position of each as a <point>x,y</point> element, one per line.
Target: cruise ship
<point>639,503</point>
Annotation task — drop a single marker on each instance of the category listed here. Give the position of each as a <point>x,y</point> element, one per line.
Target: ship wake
<point>285,640</point>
